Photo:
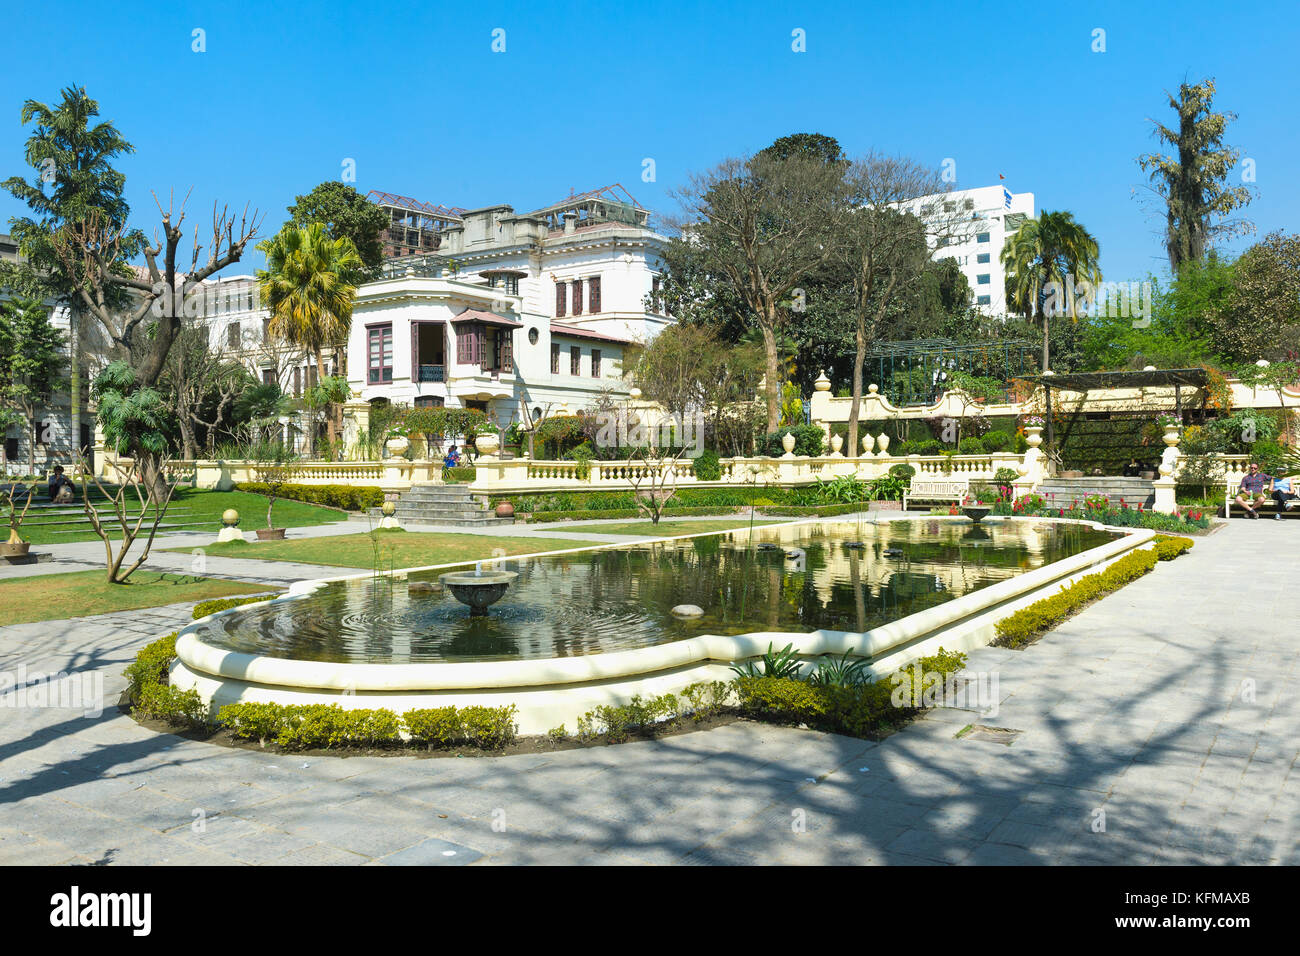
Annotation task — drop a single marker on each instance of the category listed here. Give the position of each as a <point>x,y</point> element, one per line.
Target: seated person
<point>1132,469</point>
<point>60,487</point>
<point>452,458</point>
<point>1284,495</point>
<point>1252,485</point>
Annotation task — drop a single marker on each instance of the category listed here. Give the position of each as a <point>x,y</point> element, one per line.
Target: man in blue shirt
<point>1254,483</point>
<point>1283,495</point>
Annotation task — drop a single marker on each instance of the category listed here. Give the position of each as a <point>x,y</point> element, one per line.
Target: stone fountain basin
<point>976,512</point>
<point>478,590</point>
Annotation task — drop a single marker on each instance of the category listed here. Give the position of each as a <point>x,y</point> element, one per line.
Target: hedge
<point>344,497</point>
<point>1030,622</point>
<point>204,608</point>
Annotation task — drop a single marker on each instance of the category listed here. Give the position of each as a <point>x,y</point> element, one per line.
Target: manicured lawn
<point>398,549</point>
<point>665,529</point>
<point>190,510</point>
<point>49,597</point>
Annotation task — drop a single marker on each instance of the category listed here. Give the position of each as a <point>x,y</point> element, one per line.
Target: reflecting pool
<point>844,576</point>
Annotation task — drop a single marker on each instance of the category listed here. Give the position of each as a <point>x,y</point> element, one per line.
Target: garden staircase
<point>1063,492</point>
<point>440,504</point>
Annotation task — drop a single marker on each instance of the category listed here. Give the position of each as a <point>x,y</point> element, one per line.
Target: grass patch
<point>400,549</point>
<point>191,509</point>
<point>49,597</point>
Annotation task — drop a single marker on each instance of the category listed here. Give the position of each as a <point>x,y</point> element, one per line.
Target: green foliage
<point>150,666</point>
<point>808,441</point>
<point>705,699</point>
<point>489,728</point>
<point>345,497</point>
<point>204,608</point>
<point>132,418</point>
<point>461,475</point>
<point>970,446</point>
<point>782,663</point>
<point>843,671</point>
<point>902,472</point>
<point>344,212</point>
<point>171,704</point>
<point>707,467</point>
<point>304,726</point>
<point>1168,548</point>
<point>252,721</point>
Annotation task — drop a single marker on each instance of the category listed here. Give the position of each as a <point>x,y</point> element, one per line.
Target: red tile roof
<point>581,333</point>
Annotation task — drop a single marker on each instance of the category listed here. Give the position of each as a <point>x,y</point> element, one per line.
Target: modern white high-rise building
<point>972,226</point>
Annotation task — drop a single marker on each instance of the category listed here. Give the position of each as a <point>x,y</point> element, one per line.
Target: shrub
<point>971,446</point>
<point>329,725</point>
<point>434,726</point>
<point>345,497</point>
<point>707,467</point>
<point>1029,622</point>
<point>150,666</point>
<point>706,699</point>
<point>781,699</point>
<point>171,704</point>
<point>1168,548</point>
<point>902,471</point>
<point>462,475</point>
<point>204,608</point>
<point>490,728</point>
<point>808,440</point>
<point>995,441</point>
<point>1005,476</point>
<point>252,721</point>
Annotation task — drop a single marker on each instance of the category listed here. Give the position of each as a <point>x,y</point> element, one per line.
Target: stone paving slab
<point>1148,736</point>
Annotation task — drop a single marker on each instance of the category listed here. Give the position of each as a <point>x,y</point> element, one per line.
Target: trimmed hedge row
<point>1027,624</point>
<point>204,608</point>
<point>343,497</point>
<point>301,726</point>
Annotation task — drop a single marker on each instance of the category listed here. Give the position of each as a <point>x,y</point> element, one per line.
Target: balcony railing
<point>433,373</point>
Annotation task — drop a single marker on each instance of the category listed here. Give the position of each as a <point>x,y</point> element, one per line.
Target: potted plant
<point>276,467</point>
<point>398,440</point>
<point>16,547</point>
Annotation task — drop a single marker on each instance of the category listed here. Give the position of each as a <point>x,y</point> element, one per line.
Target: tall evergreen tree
<point>1193,180</point>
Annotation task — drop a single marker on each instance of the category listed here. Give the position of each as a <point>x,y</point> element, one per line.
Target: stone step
<point>485,521</point>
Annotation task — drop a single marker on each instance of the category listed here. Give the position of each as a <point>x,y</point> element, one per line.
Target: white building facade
<point>972,227</point>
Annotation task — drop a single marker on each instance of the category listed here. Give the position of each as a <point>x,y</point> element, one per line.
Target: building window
<point>984,300</point>
<point>266,329</point>
<point>469,344</point>
<point>575,360</point>
<point>982,237</point>
<point>968,204</point>
<point>577,297</point>
<point>595,363</point>
<point>312,376</point>
<point>982,279</point>
<point>532,336</point>
<point>561,291</point>
<point>297,380</point>
<point>379,354</point>
<point>232,335</point>
<point>983,257</point>
<point>593,295</point>
<point>268,376</point>
<point>555,360</point>
<point>429,401</point>
<point>655,305</point>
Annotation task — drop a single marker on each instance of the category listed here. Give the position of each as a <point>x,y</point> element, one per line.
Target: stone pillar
<point>356,425</point>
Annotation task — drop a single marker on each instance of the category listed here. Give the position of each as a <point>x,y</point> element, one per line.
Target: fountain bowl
<point>976,512</point>
<point>478,591</point>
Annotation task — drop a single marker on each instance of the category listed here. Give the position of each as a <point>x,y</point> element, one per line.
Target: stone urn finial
<point>823,384</point>
<point>787,442</point>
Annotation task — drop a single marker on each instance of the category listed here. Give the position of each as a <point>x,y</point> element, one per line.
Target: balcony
<point>433,373</point>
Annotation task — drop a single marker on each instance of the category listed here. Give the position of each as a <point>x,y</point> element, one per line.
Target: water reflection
<point>611,600</point>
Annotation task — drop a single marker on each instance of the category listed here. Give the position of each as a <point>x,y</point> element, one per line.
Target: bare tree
<point>763,223</point>
<point>202,386</point>
<point>129,489</point>
<point>885,246</point>
<point>653,470</point>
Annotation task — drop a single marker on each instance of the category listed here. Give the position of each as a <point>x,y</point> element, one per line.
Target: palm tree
<point>1046,259</point>
<point>305,290</point>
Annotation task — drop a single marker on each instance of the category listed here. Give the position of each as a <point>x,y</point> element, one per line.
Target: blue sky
<point>584,93</point>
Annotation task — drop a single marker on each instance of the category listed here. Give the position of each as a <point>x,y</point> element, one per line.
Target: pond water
<point>618,599</point>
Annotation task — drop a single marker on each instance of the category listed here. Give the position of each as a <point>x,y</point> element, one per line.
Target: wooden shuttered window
<point>595,363</point>
<point>469,344</point>
<point>593,295</point>
<point>560,295</point>
<point>555,359</point>
<point>575,360</point>
<point>577,297</point>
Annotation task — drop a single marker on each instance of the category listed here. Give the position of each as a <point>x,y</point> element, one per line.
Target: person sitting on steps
<point>1254,483</point>
<point>60,487</point>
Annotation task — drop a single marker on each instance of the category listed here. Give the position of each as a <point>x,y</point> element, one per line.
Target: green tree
<point>74,174</point>
<point>1192,181</point>
<point>762,225</point>
<point>306,290</point>
<point>345,213</point>
<point>1047,259</point>
<point>1260,318</point>
<point>32,362</point>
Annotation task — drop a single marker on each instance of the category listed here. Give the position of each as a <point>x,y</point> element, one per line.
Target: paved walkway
<point>1160,725</point>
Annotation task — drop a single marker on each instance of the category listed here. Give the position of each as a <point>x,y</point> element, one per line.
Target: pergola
<point>936,358</point>
<point>1147,378</point>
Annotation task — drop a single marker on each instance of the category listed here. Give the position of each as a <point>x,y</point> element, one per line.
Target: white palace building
<point>484,308</point>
